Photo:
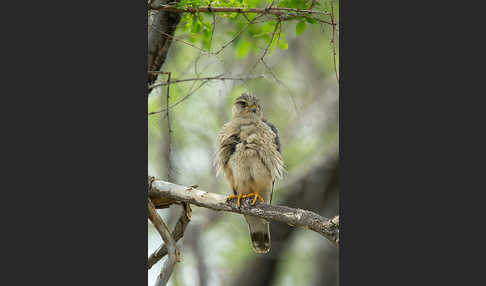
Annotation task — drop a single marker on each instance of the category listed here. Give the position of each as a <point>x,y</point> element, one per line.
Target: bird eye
<point>242,103</point>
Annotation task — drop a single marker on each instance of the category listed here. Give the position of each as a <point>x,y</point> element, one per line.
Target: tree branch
<point>333,41</point>
<point>177,233</point>
<point>181,100</point>
<point>169,133</point>
<point>279,11</point>
<point>219,77</point>
<point>328,228</point>
<point>173,251</point>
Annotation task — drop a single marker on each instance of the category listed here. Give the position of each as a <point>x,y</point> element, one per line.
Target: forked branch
<point>173,251</point>
<point>177,233</point>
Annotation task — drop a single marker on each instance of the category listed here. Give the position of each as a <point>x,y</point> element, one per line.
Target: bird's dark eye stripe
<point>242,103</point>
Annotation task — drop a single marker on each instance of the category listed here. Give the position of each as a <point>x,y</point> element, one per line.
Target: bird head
<point>247,106</point>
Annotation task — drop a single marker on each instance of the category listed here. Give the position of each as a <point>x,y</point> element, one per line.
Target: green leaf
<point>300,28</point>
<point>283,45</point>
<point>282,42</point>
<point>242,49</point>
<point>298,4</point>
<point>197,28</point>
<point>206,39</point>
<point>310,20</point>
<point>196,24</point>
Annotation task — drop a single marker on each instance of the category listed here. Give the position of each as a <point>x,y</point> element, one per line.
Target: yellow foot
<point>239,197</point>
<point>257,196</point>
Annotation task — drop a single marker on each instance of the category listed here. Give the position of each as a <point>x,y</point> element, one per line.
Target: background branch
<point>219,77</point>
<point>169,133</point>
<point>177,233</point>
<point>293,217</point>
<point>173,251</point>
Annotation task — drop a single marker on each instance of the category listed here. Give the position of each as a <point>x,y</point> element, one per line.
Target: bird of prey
<point>249,155</point>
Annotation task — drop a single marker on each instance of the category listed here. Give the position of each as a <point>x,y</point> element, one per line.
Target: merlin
<point>249,155</point>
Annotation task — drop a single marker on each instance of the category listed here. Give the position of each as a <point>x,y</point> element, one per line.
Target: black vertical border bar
<point>76,157</point>
<point>411,79</point>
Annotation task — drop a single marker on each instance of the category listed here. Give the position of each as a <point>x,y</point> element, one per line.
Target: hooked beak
<point>253,108</point>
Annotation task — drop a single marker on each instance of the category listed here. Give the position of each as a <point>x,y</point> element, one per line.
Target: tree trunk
<point>161,24</point>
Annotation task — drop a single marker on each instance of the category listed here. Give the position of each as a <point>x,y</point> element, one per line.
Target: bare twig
<point>184,98</point>
<point>157,72</point>
<point>169,133</point>
<point>294,17</point>
<point>326,22</point>
<point>212,31</point>
<point>333,42</point>
<point>271,40</point>
<point>177,39</point>
<point>218,77</point>
<point>177,233</point>
<point>173,251</point>
<point>278,26</point>
<point>282,84</point>
<point>293,217</point>
<point>237,35</point>
<point>265,51</point>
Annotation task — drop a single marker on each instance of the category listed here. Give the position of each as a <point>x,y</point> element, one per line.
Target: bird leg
<point>256,195</point>
<point>239,197</point>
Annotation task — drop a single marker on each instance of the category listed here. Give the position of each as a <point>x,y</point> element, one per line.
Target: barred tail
<point>259,233</point>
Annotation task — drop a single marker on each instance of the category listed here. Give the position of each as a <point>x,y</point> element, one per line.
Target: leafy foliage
<point>265,32</point>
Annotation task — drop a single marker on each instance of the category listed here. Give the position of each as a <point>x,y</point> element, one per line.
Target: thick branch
<point>293,217</point>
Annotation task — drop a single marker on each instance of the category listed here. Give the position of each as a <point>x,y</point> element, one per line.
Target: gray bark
<point>293,217</point>
<point>160,24</point>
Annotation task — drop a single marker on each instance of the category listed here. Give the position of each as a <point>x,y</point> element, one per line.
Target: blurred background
<point>299,92</point>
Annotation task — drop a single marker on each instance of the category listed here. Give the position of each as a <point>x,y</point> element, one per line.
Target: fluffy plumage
<point>249,155</point>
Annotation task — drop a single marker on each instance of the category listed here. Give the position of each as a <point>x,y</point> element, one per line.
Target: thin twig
<point>157,72</point>
<point>219,77</point>
<point>212,32</point>
<point>271,40</point>
<point>173,251</point>
<point>328,228</point>
<point>282,84</point>
<point>333,39</point>
<point>180,40</point>
<point>279,24</point>
<point>267,47</point>
<point>184,98</point>
<point>237,35</point>
<point>294,17</point>
<point>169,133</point>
